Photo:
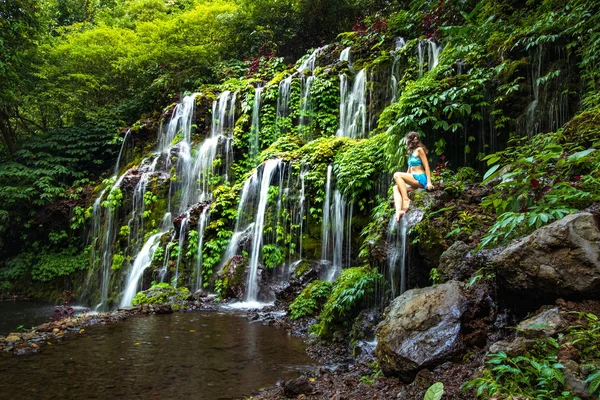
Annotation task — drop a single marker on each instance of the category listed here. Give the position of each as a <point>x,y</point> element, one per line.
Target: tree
<point>20,26</point>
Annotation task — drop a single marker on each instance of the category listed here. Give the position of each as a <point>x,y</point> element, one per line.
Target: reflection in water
<point>197,356</point>
<point>23,313</point>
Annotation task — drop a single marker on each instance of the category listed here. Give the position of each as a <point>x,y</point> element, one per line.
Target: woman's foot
<point>405,205</point>
<point>399,214</point>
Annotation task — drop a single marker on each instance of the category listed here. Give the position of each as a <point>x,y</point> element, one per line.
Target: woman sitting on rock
<point>418,174</point>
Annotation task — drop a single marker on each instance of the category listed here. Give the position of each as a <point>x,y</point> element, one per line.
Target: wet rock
<point>193,213</point>
<point>512,348</point>
<point>421,329</point>
<point>296,387</point>
<point>26,350</point>
<point>544,324</point>
<point>200,294</point>
<point>560,259</point>
<point>451,260</point>
<point>13,338</point>
<point>233,276</point>
<point>573,382</point>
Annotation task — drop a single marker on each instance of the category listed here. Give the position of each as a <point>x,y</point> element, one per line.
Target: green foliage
<point>310,300</point>
<point>359,165</point>
<point>351,292</point>
<point>192,248</point>
<point>50,265</point>
<point>377,372</point>
<point>117,262</point>
<point>163,293</point>
<point>272,255</point>
<point>540,182</point>
<point>435,391</point>
<point>537,374</point>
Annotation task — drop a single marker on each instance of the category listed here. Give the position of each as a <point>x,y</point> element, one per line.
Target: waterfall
<point>433,52</point>
<point>182,230</point>
<point>283,100</point>
<point>142,261</point>
<point>399,43</point>
<point>202,223</point>
<point>191,183</point>
<point>335,229</point>
<point>305,106</point>
<point>397,256</point>
<point>255,128</point>
<point>123,144</point>
<point>326,207</point>
<point>269,168</point>
<point>353,107</point>
<point>533,123</point>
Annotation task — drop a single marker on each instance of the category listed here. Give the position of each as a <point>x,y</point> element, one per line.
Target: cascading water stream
<point>335,229</point>
<point>123,144</point>
<point>142,261</point>
<point>268,170</point>
<point>429,47</point>
<point>305,102</point>
<point>397,256</point>
<point>255,127</point>
<point>399,43</point>
<point>202,223</point>
<point>191,183</point>
<point>353,104</point>
<point>182,231</point>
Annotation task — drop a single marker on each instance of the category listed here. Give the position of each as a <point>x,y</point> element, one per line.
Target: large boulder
<point>451,262</point>
<point>559,259</point>
<point>422,328</point>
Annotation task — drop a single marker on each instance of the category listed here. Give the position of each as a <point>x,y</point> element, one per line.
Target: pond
<point>181,355</point>
<point>23,313</point>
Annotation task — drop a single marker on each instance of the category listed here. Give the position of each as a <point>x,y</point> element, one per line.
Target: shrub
<point>311,300</point>
<point>350,294</point>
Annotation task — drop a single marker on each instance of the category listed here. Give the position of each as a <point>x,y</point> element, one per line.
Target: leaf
<point>435,391</point>
<point>580,154</point>
<point>490,172</point>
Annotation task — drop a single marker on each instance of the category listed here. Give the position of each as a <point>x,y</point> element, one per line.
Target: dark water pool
<point>24,313</point>
<point>176,356</point>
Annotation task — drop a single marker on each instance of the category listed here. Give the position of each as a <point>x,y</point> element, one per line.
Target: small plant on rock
<point>311,300</point>
<point>63,310</point>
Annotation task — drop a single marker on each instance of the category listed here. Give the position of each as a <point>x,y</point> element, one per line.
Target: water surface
<point>176,356</point>
<point>23,313</point>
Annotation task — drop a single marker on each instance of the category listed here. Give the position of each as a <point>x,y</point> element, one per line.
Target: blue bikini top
<point>414,161</point>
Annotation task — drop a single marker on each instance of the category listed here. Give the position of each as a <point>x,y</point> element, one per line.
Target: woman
<point>417,176</point>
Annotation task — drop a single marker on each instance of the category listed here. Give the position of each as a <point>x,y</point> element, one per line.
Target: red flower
<point>535,183</point>
<point>577,177</point>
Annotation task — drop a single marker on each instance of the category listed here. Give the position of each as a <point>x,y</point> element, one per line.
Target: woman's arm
<point>425,162</point>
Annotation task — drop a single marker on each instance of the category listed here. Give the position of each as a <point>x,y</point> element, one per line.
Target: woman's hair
<point>413,142</point>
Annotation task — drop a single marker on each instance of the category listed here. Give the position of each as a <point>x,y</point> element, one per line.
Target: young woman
<point>417,176</point>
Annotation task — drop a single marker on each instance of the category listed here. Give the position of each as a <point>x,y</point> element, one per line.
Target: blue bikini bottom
<point>421,178</point>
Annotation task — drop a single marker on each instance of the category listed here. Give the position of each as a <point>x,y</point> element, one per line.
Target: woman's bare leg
<point>398,203</point>
<point>402,179</point>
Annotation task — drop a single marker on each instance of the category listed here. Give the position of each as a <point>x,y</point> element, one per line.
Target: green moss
<point>283,147</point>
<point>163,293</point>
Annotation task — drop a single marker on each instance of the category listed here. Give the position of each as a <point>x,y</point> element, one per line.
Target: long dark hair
<point>413,142</point>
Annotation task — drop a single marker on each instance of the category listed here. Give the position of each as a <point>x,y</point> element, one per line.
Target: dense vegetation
<point>510,109</point>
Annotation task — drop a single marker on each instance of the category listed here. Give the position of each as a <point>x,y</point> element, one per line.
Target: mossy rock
<point>163,293</point>
<point>233,278</point>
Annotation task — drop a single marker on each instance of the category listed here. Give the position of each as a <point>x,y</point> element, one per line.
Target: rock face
<point>421,328</point>
<point>560,259</point>
<point>451,261</point>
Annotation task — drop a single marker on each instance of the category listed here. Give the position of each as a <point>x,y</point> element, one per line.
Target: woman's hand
<point>429,186</point>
